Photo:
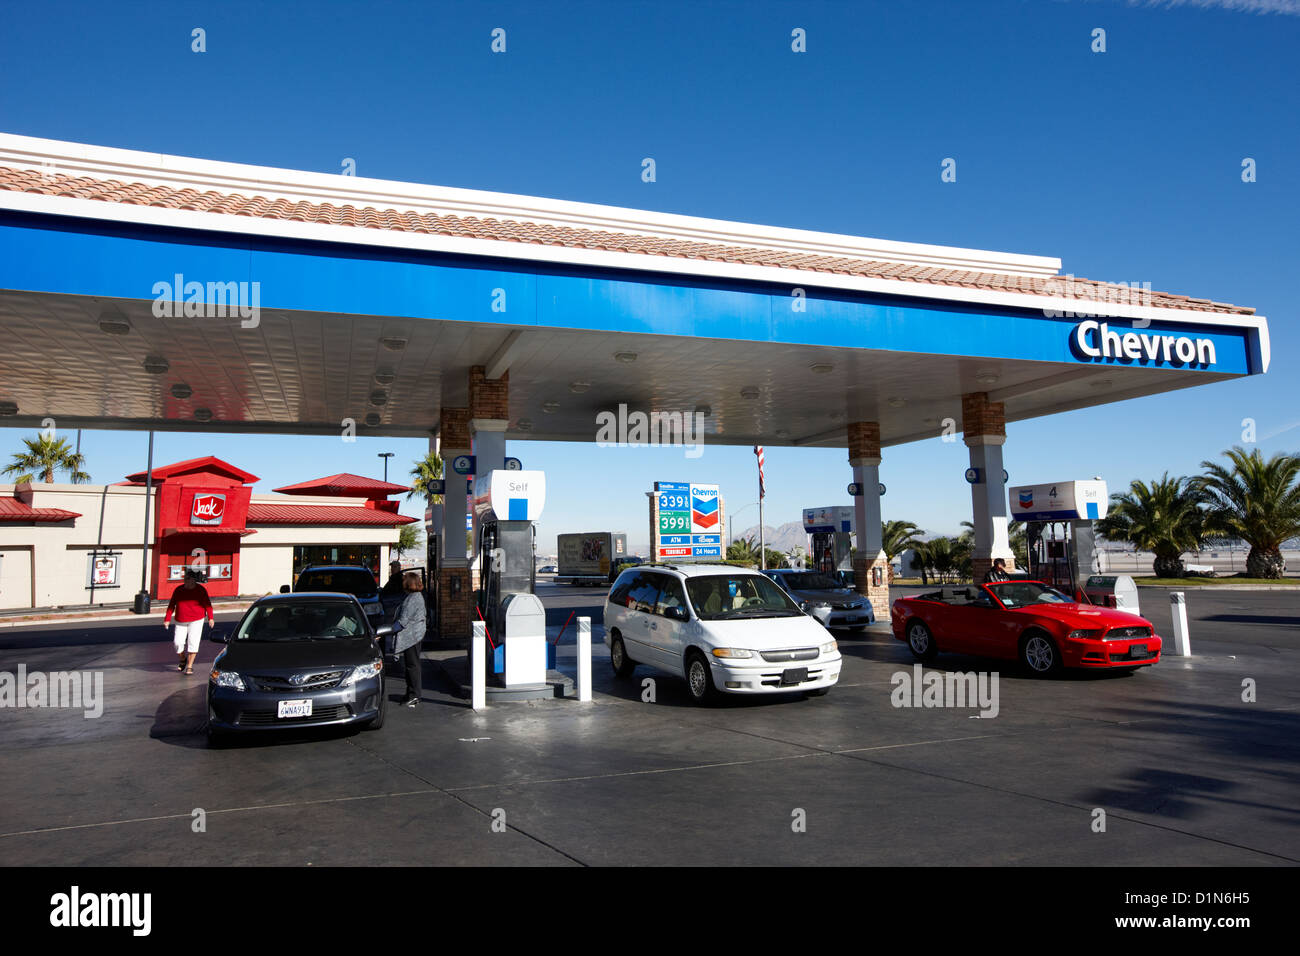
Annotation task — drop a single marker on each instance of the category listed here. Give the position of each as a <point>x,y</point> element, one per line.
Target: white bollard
<point>584,659</point>
<point>478,667</point>
<point>1182,638</point>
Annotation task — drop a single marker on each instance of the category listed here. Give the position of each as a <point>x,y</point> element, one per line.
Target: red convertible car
<point>1026,621</point>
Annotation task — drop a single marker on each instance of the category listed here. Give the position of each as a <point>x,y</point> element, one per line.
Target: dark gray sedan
<point>298,660</point>
<point>822,598</point>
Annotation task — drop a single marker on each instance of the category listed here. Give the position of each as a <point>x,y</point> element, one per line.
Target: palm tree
<point>427,470</point>
<point>895,538</point>
<point>1257,501</point>
<point>45,455</point>
<point>1164,518</point>
<point>743,549</point>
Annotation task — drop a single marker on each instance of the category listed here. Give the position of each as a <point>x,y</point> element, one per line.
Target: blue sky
<point>1125,164</point>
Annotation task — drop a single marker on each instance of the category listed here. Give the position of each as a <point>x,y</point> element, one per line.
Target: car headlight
<point>1084,635</point>
<point>227,679</point>
<point>362,672</point>
<point>732,652</point>
<point>830,647</point>
<point>819,605</point>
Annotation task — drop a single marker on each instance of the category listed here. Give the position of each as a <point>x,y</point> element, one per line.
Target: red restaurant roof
<point>344,485</point>
<point>264,513</point>
<point>209,463</point>
<point>11,509</point>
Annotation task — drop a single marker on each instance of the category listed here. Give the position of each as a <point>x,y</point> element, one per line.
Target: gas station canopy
<point>122,276</point>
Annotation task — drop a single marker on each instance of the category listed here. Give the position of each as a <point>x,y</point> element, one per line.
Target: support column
<point>455,596</point>
<point>489,413</point>
<point>870,567</point>
<point>984,430</point>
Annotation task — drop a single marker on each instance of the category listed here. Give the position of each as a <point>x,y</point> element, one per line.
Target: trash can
<point>1113,590</point>
<point>142,602</point>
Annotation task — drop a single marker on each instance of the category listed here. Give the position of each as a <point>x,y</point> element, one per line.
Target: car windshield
<point>1021,593</point>
<point>301,621</point>
<point>356,581</point>
<point>719,597</point>
<point>811,581</point>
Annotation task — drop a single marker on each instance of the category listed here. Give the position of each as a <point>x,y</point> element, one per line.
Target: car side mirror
<point>217,637</point>
<point>675,613</point>
<point>285,589</point>
<point>383,630</point>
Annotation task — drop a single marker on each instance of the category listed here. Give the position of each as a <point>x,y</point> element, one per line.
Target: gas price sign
<point>689,523</point>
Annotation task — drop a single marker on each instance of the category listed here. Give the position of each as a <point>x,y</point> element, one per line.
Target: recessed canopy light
<point>579,387</point>
<point>8,408</point>
<point>550,408</point>
<point>627,358</point>
<point>749,391</point>
<point>821,368</point>
<point>986,376</point>
<point>524,424</point>
<point>896,402</point>
<point>203,414</point>
<point>181,390</point>
<point>372,419</point>
<point>156,365</point>
<point>114,324</point>
<point>384,376</point>
<point>394,343</point>
<point>379,398</point>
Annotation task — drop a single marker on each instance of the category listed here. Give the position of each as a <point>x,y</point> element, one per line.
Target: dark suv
<point>348,579</point>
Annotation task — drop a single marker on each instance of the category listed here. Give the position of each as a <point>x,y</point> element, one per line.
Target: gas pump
<point>832,538</point>
<point>1058,521</point>
<point>507,503</point>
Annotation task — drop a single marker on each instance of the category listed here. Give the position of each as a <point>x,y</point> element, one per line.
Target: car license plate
<point>850,618</point>
<point>295,708</point>
<point>1137,652</point>
<point>794,675</point>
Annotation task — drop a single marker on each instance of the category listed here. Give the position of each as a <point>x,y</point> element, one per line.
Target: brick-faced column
<point>984,428</point>
<point>864,457</point>
<point>454,612</point>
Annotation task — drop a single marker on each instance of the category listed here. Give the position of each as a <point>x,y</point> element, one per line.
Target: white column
<point>478,667</point>
<point>488,436</point>
<point>584,660</point>
<point>866,507</point>
<point>1182,637</point>
<point>989,498</point>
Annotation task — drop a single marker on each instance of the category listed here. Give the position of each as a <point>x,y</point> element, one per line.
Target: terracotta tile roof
<point>206,529</point>
<point>344,485</point>
<point>11,509</point>
<point>511,230</point>
<point>264,513</point>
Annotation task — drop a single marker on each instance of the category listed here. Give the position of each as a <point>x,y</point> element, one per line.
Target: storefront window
<point>365,555</point>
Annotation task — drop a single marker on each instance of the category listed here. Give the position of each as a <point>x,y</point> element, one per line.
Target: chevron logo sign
<point>704,508</point>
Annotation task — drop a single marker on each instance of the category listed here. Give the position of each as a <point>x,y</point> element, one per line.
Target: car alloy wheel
<point>698,680</point>
<point>920,641</point>
<point>1039,654</point>
<point>618,659</point>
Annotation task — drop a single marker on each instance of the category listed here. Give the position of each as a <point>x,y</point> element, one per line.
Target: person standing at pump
<point>411,616</point>
<point>190,603</point>
<point>998,572</point>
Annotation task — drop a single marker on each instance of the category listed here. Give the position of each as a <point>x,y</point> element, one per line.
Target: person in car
<point>191,604</point>
<point>998,572</point>
<point>411,617</point>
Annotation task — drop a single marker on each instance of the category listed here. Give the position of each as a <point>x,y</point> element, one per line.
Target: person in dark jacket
<point>411,615</point>
<point>394,586</point>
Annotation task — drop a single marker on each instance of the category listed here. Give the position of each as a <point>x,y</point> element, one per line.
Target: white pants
<point>186,636</point>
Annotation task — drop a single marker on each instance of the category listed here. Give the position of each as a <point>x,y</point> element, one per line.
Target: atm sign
<point>208,509</point>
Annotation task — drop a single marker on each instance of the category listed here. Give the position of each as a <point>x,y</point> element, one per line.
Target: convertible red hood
<point>1088,616</point>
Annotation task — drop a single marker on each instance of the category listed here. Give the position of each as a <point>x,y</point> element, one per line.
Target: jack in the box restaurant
<point>67,545</point>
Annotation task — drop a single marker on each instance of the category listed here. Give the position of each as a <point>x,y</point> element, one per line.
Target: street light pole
<point>386,455</point>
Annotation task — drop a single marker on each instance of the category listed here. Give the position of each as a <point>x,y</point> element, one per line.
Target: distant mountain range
<point>783,538</point>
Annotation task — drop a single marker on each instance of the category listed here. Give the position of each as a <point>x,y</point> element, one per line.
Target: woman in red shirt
<point>190,604</point>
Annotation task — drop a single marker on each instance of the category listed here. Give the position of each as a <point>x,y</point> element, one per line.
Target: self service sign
<point>686,521</point>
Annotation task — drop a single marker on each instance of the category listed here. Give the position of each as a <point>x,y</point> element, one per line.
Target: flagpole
<point>762,493</point>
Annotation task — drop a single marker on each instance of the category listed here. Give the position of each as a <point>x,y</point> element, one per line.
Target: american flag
<point>762,490</point>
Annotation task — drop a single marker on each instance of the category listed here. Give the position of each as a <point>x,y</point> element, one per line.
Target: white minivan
<point>724,629</point>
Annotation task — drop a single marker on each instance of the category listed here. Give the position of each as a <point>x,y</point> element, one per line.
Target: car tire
<point>618,659</point>
<point>699,682</point>
<point>1039,654</point>
<point>378,721</point>
<point>921,642</point>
